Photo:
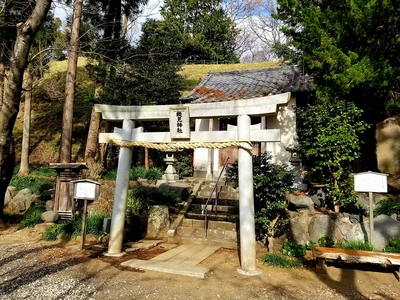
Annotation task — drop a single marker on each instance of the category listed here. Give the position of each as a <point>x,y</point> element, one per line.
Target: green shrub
<point>154,174</point>
<point>43,172</point>
<point>356,245</point>
<point>94,225</point>
<point>271,182</point>
<point>51,233</point>
<point>389,205</point>
<point>282,261</point>
<point>184,164</point>
<point>310,245</point>
<point>137,172</point>
<point>35,184</point>
<point>73,228</point>
<point>141,198</point>
<point>32,216</point>
<point>394,246</point>
<point>110,175</point>
<point>329,136</point>
<point>293,249</point>
<point>325,241</point>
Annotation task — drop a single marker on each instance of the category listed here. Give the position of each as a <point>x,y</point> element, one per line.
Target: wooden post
<point>84,222</point>
<point>371,217</point>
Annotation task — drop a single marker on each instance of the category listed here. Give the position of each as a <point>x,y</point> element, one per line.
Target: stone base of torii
<point>181,137</point>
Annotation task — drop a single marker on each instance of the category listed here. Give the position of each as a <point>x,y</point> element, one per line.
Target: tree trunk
<point>26,32</point>
<point>2,79</point>
<point>73,54</point>
<point>91,143</point>
<point>24,166</point>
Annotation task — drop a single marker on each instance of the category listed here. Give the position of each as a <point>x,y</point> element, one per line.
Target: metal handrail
<point>204,211</point>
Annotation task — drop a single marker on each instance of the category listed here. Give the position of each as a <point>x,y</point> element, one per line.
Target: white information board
<point>86,189</point>
<point>370,182</point>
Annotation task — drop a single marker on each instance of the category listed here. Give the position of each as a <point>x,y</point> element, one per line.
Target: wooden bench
<point>321,254</point>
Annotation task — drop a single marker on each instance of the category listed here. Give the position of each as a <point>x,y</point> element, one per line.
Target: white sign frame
<point>370,182</point>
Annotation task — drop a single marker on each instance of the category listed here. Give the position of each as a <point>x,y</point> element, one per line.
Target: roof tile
<point>245,84</point>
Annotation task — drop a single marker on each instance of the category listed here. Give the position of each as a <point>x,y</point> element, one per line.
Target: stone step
<point>211,208</point>
<point>213,235</point>
<point>203,241</point>
<point>219,217</point>
<point>222,195</point>
<point>228,202</point>
<point>195,223</point>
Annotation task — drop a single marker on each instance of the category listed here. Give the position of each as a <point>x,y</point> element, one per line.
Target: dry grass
<point>197,72</point>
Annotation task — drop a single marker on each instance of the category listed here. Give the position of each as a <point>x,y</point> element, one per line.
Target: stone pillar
<point>121,193</point>
<point>246,202</point>
<point>263,145</point>
<point>209,174</point>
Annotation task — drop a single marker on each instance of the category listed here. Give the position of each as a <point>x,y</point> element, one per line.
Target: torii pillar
<point>246,202</point>
<point>121,193</point>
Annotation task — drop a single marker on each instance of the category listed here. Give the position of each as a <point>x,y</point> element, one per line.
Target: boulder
<point>322,225</point>
<point>158,222</point>
<point>22,201</point>
<point>300,203</point>
<point>49,205</point>
<point>10,194</point>
<point>385,229</point>
<point>50,216</point>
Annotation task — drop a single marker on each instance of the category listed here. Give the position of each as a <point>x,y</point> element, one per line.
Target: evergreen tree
<point>197,30</point>
<point>351,48</point>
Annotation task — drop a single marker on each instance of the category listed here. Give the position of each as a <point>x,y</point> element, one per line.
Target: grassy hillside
<point>49,98</point>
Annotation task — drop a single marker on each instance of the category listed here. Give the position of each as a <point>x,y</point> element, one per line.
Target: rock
<point>297,233</point>
<point>300,203</point>
<point>22,201</point>
<point>49,205</point>
<point>322,225</point>
<point>158,222</point>
<point>10,194</point>
<point>385,229</point>
<point>50,216</point>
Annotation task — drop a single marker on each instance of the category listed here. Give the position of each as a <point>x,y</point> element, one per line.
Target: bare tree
<point>259,30</point>
<point>24,166</point>
<point>26,32</point>
<point>73,54</point>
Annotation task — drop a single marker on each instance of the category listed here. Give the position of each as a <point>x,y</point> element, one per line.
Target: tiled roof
<point>245,84</point>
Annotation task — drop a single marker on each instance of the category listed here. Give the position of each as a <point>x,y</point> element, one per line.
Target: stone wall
<point>306,224</point>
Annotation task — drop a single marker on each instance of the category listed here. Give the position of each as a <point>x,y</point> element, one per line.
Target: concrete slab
<point>165,267</point>
<point>181,260</point>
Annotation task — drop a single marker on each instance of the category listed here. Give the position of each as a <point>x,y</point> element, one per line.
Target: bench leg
<point>396,274</point>
<point>320,266</point>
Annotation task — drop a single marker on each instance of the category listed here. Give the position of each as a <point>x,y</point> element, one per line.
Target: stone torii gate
<point>180,137</point>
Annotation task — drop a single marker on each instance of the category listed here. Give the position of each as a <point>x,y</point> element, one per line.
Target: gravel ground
<point>43,270</point>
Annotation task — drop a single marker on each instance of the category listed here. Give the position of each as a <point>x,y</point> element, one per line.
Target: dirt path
<point>34,269</point>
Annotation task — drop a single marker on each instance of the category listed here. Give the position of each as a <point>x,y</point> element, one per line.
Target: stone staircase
<point>221,225</point>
